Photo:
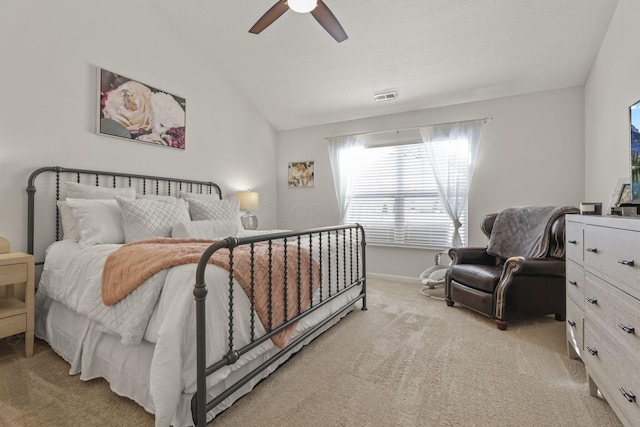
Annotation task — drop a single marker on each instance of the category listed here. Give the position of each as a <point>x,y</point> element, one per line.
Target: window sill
<point>401,246</point>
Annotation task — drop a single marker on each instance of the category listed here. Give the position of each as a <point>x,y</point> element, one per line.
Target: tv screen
<point>634,118</point>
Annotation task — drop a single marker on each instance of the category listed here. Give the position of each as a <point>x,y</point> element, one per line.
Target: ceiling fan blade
<point>270,16</point>
<point>327,19</point>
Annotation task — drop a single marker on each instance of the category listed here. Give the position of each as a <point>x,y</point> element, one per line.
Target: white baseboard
<point>389,277</point>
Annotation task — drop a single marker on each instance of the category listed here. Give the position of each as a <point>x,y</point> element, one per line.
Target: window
<point>395,197</point>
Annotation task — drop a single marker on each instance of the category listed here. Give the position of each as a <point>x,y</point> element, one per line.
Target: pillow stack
<point>91,215</point>
<point>94,215</point>
<point>211,217</point>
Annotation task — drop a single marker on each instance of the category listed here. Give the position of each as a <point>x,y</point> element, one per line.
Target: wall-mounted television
<point>634,120</point>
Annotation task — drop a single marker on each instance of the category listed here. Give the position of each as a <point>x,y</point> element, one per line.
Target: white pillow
<point>83,191</point>
<point>70,230</point>
<point>155,197</point>
<point>211,230</point>
<point>99,221</point>
<point>227,209</point>
<point>199,196</point>
<point>149,218</point>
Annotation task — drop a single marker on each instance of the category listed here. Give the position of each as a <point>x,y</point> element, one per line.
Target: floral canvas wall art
<point>301,174</point>
<point>133,110</point>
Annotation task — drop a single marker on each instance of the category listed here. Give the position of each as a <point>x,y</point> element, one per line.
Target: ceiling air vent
<point>387,96</point>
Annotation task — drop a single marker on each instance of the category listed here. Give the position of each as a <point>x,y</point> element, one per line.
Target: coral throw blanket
<point>133,263</point>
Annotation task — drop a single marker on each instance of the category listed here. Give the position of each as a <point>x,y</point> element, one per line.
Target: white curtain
<point>343,154</point>
<point>452,193</point>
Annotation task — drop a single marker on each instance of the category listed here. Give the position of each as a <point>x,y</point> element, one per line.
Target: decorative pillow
<point>211,229</point>
<point>146,218</point>
<point>199,196</point>
<point>99,221</point>
<point>70,230</point>
<point>227,209</point>
<point>83,191</point>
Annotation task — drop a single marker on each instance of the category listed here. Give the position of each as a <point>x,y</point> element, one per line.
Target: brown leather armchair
<point>507,285</point>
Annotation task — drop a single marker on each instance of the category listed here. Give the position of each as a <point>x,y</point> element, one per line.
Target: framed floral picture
<point>139,112</point>
<point>301,174</point>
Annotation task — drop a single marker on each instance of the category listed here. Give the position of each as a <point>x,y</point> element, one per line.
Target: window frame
<point>402,196</point>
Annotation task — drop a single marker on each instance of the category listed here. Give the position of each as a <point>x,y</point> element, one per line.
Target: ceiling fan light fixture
<point>302,6</point>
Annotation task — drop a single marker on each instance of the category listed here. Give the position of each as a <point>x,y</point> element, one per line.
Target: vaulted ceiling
<point>431,52</point>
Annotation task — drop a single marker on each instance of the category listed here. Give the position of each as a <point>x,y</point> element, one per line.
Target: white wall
<point>613,85</point>
<point>50,52</point>
<point>532,153</point>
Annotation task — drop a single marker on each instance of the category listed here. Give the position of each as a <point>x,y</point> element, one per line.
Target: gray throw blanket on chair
<point>525,231</point>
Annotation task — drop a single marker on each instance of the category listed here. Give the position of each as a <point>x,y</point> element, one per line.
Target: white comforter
<point>73,277</point>
<point>161,311</point>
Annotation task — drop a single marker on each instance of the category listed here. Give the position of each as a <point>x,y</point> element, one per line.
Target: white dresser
<point>603,307</point>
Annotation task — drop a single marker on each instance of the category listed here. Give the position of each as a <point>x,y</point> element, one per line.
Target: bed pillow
<point>211,229</point>
<point>149,218</point>
<point>83,191</point>
<point>199,196</point>
<point>98,220</point>
<point>70,230</point>
<point>155,197</point>
<point>226,209</point>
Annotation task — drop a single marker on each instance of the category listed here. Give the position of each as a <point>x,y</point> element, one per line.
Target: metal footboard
<point>345,268</point>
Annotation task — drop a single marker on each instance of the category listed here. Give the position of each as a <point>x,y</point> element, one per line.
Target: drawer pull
<point>572,323</point>
<point>593,351</point>
<point>592,300</point>
<point>573,242</point>
<point>573,282</point>
<point>627,329</point>
<point>628,262</point>
<point>628,395</point>
<point>594,250</point>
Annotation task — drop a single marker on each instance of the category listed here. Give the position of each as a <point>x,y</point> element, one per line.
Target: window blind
<point>396,199</point>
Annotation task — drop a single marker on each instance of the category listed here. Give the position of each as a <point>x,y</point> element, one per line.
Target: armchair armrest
<point>471,256</point>
<point>520,266</point>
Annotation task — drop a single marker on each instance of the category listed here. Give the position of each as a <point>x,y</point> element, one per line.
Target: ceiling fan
<point>318,9</point>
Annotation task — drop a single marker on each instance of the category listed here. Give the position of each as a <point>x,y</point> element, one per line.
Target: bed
<point>151,283</point>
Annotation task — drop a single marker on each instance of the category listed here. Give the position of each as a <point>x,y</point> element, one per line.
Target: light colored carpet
<point>407,361</point>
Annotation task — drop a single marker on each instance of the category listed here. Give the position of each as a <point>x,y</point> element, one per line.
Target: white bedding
<point>74,277</point>
<point>159,320</point>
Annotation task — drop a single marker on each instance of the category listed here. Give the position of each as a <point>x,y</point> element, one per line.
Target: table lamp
<point>248,202</point>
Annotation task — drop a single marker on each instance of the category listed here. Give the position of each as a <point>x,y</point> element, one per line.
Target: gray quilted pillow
<point>226,209</point>
<point>147,219</point>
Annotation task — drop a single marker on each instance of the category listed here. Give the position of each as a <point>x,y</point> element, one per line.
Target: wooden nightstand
<point>16,296</point>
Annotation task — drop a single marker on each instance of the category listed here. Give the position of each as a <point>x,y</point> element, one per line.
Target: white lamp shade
<point>302,6</point>
<point>248,200</point>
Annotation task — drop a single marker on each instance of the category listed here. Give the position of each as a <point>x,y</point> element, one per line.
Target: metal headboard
<point>158,185</point>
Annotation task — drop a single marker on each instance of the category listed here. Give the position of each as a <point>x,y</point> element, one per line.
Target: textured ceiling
<point>432,52</point>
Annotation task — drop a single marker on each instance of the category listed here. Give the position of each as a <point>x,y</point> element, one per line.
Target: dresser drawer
<point>614,371</point>
<point>13,273</point>
<point>575,283</point>
<point>615,312</point>
<point>574,241</point>
<point>615,254</point>
<point>575,328</point>
<point>13,325</point>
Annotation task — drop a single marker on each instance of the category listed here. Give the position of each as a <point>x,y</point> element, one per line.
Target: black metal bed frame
<point>179,183</point>
<point>351,239</point>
